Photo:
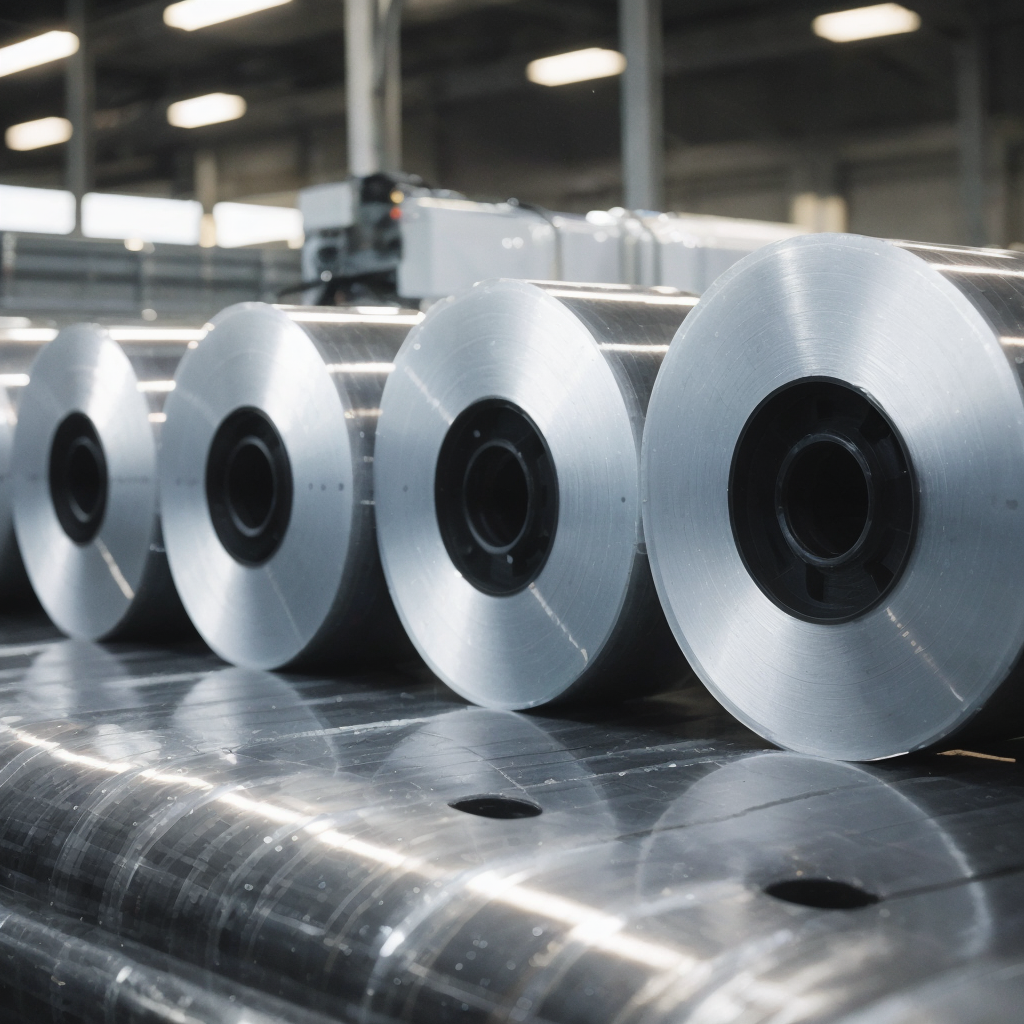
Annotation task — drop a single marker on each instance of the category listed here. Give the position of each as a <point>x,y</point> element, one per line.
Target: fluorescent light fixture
<point>47,211</point>
<point>192,14</point>
<point>213,108</point>
<point>38,50</point>
<point>866,23</point>
<point>141,217</point>
<point>47,131</point>
<point>577,66</point>
<point>248,224</point>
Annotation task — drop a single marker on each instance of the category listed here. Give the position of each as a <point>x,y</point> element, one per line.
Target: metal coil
<point>267,489</point>
<point>507,481</point>
<point>834,486</point>
<point>85,487</point>
<point>16,357</point>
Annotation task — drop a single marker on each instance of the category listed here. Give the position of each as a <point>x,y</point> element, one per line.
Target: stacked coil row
<point>807,489</point>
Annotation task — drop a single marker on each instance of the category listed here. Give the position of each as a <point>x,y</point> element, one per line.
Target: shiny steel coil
<point>267,485</point>
<point>18,349</point>
<point>85,485</point>
<point>834,488</point>
<point>507,481</point>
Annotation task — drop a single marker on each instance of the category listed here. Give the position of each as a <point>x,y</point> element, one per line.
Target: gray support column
<point>79,78</point>
<point>204,177</point>
<point>391,83</point>
<point>360,81</point>
<point>642,127</point>
<point>971,126</point>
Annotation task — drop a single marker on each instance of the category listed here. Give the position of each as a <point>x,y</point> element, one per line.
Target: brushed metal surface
<point>117,583</point>
<point>16,359</point>
<point>317,375</point>
<point>173,832</point>
<point>934,335</point>
<point>579,361</point>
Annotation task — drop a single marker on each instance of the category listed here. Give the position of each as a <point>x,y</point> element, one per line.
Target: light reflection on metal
<point>590,926</point>
<point>359,367</point>
<point>318,317</point>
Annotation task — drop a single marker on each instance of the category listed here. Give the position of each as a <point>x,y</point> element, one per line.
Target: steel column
<point>79,79</point>
<point>642,129</point>
<point>971,128</point>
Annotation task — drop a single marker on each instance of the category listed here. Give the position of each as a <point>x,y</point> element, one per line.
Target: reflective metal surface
<point>84,467</point>
<point>930,341</point>
<point>178,834</point>
<point>286,572</point>
<point>555,600</point>
<point>18,348</point>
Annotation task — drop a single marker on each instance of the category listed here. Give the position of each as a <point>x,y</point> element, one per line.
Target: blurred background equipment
<point>883,120</point>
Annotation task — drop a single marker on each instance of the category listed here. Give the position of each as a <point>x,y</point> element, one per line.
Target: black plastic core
<point>496,497</point>
<point>78,477</point>
<point>824,497</point>
<point>823,500</point>
<point>504,807</point>
<point>249,486</point>
<point>822,894</point>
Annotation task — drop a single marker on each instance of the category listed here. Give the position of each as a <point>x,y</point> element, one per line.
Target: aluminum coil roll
<point>18,349</point>
<point>85,484</point>
<point>834,486</point>
<point>267,485</point>
<point>507,481</point>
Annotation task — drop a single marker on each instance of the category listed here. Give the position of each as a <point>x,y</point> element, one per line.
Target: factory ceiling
<point>738,72</point>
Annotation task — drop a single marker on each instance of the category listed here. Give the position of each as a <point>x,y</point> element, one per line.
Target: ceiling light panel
<point>213,108</point>
<point>866,23</point>
<point>38,50</point>
<point>47,131</point>
<point>47,211</point>
<point>577,66</point>
<point>105,215</point>
<point>248,224</point>
<point>192,14</point>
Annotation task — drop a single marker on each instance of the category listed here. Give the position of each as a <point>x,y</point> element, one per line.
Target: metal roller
<point>267,485</point>
<point>834,487</point>
<point>85,485</point>
<point>507,481</point>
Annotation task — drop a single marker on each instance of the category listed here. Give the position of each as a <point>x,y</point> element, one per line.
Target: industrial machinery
<point>388,238</point>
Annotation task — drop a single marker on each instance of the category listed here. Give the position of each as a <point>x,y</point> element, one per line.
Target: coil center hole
<point>497,496</point>
<point>78,477</point>
<point>84,479</point>
<point>825,498</point>
<point>251,486</point>
<point>822,500</point>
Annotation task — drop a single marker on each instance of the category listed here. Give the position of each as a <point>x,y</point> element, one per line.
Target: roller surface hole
<point>503,807</point>
<point>821,893</point>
